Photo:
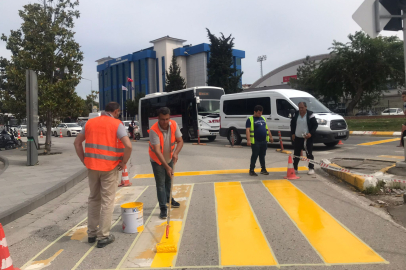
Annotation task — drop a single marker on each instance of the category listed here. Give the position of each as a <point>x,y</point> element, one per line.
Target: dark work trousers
<point>258,149</point>
<point>401,138</point>
<point>163,183</point>
<point>299,146</point>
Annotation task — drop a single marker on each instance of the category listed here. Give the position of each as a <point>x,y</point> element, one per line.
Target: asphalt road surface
<point>227,219</point>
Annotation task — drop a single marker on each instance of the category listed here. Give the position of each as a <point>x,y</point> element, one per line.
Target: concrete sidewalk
<point>24,188</point>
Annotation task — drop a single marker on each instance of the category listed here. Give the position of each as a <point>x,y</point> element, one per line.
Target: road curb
<point>5,161</point>
<point>376,133</point>
<point>352,179</point>
<point>42,198</point>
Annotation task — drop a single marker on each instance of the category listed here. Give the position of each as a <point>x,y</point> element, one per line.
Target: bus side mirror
<point>198,100</point>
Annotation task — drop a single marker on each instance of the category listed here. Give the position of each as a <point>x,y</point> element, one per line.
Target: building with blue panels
<point>147,69</point>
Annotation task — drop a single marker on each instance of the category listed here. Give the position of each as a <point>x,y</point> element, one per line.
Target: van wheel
<point>55,134</point>
<point>211,138</point>
<point>237,137</point>
<point>331,144</point>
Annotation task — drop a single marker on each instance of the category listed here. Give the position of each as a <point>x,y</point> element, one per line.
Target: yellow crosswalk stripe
<point>242,241</point>
<point>397,157</point>
<point>334,243</point>
<point>196,173</point>
<point>379,142</point>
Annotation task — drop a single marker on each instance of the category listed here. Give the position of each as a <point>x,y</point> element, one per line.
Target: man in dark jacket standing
<point>303,129</point>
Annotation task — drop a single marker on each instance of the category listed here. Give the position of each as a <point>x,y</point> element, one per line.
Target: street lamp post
<point>91,89</point>
<point>261,59</point>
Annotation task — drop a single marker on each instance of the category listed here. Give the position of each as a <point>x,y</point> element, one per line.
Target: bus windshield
<point>208,107</point>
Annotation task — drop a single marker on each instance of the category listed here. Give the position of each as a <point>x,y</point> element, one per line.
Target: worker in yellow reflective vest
<point>258,136</point>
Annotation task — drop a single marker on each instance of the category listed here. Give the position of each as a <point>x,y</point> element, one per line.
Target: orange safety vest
<point>155,128</point>
<point>103,151</point>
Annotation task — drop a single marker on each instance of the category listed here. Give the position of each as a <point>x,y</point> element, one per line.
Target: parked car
<point>68,129</point>
<point>366,113</point>
<point>392,111</point>
<point>23,130</point>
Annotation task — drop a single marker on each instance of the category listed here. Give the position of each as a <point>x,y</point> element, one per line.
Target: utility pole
<point>261,59</point>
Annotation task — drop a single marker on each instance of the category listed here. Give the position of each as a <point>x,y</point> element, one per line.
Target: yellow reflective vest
<point>252,139</point>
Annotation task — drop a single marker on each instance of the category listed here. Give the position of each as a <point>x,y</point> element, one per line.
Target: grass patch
<point>376,189</point>
<point>380,124</point>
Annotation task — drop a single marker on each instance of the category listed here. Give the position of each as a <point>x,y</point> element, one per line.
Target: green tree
<point>219,69</point>
<point>44,43</point>
<point>174,81</point>
<point>132,105</point>
<point>357,70</point>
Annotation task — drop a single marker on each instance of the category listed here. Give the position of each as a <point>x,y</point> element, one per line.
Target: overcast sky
<point>283,30</point>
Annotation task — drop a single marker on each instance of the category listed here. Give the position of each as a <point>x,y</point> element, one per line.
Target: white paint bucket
<point>132,216</point>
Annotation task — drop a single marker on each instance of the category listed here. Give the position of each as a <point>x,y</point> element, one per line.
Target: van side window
<point>265,102</point>
<point>283,107</point>
<point>234,107</point>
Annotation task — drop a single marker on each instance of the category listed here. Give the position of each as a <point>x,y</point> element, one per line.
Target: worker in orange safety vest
<point>163,136</point>
<point>107,151</point>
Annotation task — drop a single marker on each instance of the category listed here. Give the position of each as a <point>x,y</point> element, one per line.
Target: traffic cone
<point>340,142</point>
<point>19,137</point>
<point>41,136</point>
<point>291,171</point>
<point>5,259</point>
<point>60,133</point>
<point>125,181</point>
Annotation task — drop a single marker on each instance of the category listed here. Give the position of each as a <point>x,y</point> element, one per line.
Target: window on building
<point>114,68</point>
<point>163,73</point>
<point>109,77</point>
<point>283,107</point>
<point>265,102</point>
<point>120,75</point>
<point>142,67</point>
<point>238,61</point>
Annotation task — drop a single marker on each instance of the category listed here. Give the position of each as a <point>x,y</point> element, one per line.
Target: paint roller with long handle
<point>167,246</point>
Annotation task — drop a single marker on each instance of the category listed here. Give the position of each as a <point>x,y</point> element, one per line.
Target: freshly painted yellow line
<point>280,169</point>
<point>397,157</point>
<point>136,239</point>
<point>166,259</point>
<point>379,142</point>
<point>336,244</point>
<point>112,226</point>
<point>241,239</point>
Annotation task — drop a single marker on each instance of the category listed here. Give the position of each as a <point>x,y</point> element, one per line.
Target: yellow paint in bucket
<point>132,216</point>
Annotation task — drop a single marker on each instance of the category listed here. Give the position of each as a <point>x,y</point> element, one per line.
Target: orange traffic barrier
<point>5,259</point>
<point>60,133</point>
<point>125,180</point>
<point>291,171</point>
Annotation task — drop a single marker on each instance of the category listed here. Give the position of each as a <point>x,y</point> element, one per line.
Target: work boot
<point>91,239</point>
<point>252,173</point>
<point>163,214</point>
<point>104,242</point>
<point>175,204</point>
<point>264,171</point>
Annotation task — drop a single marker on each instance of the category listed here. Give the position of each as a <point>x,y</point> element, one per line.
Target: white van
<point>279,106</point>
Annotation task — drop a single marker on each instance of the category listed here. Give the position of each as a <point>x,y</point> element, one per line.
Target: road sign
<point>365,16</point>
